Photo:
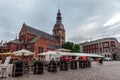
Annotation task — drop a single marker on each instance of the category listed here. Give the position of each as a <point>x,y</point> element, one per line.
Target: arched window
<point>40,50</point>
<point>20,47</point>
<point>17,48</point>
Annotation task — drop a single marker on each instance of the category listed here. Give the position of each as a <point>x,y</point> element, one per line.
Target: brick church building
<point>36,40</point>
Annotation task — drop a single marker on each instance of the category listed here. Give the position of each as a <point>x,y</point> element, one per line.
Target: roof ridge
<point>38,32</point>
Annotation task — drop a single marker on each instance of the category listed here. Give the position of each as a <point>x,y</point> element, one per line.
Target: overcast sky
<point>83,19</point>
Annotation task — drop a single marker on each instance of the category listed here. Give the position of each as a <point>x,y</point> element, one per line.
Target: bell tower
<point>58,30</point>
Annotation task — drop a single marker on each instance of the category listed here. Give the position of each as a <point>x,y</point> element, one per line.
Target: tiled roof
<point>52,46</point>
<point>40,33</point>
<point>34,39</point>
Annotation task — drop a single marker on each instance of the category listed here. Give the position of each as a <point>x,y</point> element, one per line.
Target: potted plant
<point>52,66</point>
<point>38,67</point>
<point>17,68</point>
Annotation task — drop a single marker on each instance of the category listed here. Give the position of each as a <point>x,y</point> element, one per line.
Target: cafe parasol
<point>23,52</point>
<point>6,54</point>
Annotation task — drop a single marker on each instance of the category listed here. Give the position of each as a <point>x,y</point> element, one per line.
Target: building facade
<point>108,47</point>
<point>36,40</point>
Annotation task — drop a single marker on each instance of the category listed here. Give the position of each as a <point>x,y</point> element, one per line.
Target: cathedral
<point>36,40</point>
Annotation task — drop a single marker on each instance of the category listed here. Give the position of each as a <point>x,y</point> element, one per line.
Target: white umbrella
<point>50,54</point>
<point>23,52</point>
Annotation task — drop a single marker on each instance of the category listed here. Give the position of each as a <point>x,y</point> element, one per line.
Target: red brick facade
<point>37,41</point>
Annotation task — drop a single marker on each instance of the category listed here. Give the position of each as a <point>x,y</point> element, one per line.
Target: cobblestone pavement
<point>109,70</point>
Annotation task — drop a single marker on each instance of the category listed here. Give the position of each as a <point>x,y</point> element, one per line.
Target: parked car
<point>108,59</point>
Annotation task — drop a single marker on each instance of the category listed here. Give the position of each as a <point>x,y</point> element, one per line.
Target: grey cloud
<point>77,15</point>
<point>78,39</point>
<point>104,13</point>
<point>7,36</point>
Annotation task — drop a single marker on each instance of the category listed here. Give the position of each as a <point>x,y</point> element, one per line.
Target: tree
<point>76,48</point>
<point>71,46</point>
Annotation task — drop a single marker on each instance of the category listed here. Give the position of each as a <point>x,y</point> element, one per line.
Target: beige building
<point>108,47</point>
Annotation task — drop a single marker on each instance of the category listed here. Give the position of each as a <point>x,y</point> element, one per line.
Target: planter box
<point>73,64</point>
<point>52,66</point>
<point>82,64</point>
<point>17,69</point>
<point>63,65</point>
<point>38,67</point>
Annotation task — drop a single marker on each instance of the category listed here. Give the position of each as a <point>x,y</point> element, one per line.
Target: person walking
<point>100,61</point>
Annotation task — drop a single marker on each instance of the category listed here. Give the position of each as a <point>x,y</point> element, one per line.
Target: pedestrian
<point>100,61</point>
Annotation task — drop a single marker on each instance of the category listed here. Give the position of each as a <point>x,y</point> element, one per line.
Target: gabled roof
<point>40,33</point>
